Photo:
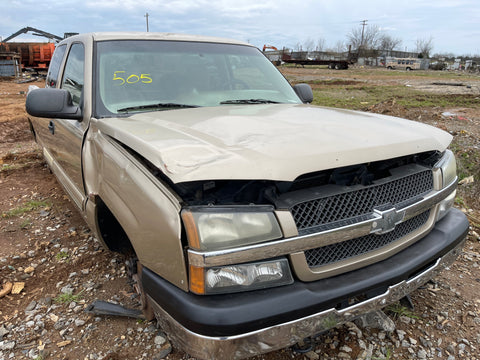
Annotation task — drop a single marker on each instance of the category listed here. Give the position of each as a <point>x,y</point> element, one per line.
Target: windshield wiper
<point>249,101</point>
<point>159,106</point>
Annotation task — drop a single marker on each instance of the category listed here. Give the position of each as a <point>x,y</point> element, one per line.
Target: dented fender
<point>146,210</point>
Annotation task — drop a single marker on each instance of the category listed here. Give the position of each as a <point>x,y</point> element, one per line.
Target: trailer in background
<point>332,59</point>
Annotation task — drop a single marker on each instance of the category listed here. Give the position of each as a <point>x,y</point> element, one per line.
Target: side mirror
<point>52,103</point>
<point>304,92</point>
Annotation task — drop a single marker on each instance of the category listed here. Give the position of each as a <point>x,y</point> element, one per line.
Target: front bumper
<point>245,324</point>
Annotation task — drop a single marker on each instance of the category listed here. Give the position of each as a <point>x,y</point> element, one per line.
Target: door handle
<point>51,127</point>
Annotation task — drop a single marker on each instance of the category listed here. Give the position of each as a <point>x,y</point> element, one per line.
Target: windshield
<point>143,75</point>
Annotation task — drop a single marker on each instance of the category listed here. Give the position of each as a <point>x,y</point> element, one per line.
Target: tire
<point>408,69</point>
<point>338,66</point>
<point>389,68</point>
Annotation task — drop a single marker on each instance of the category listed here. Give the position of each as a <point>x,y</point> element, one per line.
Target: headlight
<point>448,165</point>
<point>243,277</point>
<point>220,228</point>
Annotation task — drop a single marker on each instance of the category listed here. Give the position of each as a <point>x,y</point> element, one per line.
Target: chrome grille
<point>347,249</point>
<point>360,202</point>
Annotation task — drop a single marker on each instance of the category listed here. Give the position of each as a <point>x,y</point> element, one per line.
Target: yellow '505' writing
<point>131,79</point>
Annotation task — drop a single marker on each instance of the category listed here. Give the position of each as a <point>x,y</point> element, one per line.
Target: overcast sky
<point>454,25</point>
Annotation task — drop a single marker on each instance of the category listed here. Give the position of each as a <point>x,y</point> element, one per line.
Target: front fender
<point>146,210</point>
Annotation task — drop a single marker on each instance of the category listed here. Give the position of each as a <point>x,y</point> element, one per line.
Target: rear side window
<point>54,68</point>
<point>74,72</point>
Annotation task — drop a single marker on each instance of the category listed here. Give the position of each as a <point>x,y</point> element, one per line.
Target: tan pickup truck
<point>255,219</point>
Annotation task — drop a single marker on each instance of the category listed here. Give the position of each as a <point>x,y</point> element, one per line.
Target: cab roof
<point>131,35</point>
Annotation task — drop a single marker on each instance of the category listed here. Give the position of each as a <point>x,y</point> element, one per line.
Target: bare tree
<point>424,47</point>
<point>309,45</point>
<point>320,44</point>
<point>340,46</point>
<point>365,38</point>
<point>387,42</point>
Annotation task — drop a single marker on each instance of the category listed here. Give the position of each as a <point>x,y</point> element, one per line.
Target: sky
<point>453,25</point>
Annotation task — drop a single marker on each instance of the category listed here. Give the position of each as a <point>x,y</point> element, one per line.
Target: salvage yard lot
<point>45,244</point>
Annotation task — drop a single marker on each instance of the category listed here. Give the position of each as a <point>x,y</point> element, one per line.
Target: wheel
<point>389,68</point>
<point>338,66</point>
<point>408,69</point>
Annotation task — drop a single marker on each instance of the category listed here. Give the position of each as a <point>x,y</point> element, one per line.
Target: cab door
<point>63,144</point>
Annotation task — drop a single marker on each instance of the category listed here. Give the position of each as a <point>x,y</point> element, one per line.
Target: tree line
<point>367,39</point>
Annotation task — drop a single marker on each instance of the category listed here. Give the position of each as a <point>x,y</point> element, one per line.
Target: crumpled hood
<point>267,142</point>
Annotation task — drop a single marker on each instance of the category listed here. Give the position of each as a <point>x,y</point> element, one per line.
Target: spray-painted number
<point>132,79</point>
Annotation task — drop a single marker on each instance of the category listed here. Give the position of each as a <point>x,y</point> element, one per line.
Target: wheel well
<point>111,231</point>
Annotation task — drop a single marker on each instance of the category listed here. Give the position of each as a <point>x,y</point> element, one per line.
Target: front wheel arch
<point>110,230</point>
<point>116,239</point>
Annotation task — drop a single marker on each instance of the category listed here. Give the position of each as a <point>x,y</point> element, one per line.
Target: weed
<point>460,202</point>
<point>67,298</point>
<point>6,167</point>
<point>399,310</point>
<point>388,355</point>
<point>62,255</point>
<point>25,224</point>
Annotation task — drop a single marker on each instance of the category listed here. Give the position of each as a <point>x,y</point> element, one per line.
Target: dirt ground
<point>47,246</point>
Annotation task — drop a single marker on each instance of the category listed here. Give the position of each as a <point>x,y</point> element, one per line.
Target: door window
<point>54,67</point>
<point>74,72</point>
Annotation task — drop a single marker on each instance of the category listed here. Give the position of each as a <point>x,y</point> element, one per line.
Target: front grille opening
<point>314,213</point>
<point>329,254</point>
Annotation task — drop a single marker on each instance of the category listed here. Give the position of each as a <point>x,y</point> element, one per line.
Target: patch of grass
<point>62,255</point>
<point>6,167</point>
<point>361,97</point>
<point>25,224</point>
<point>68,298</point>
<point>398,310</point>
<point>25,208</point>
<point>468,160</point>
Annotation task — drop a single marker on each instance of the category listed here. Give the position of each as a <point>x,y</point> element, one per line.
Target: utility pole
<point>361,48</point>
<point>146,16</point>
<point>364,23</point>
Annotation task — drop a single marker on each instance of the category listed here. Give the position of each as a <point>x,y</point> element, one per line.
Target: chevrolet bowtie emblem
<point>386,220</point>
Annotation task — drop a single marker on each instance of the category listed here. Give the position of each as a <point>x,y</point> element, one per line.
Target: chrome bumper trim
<point>287,334</point>
<point>305,242</point>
